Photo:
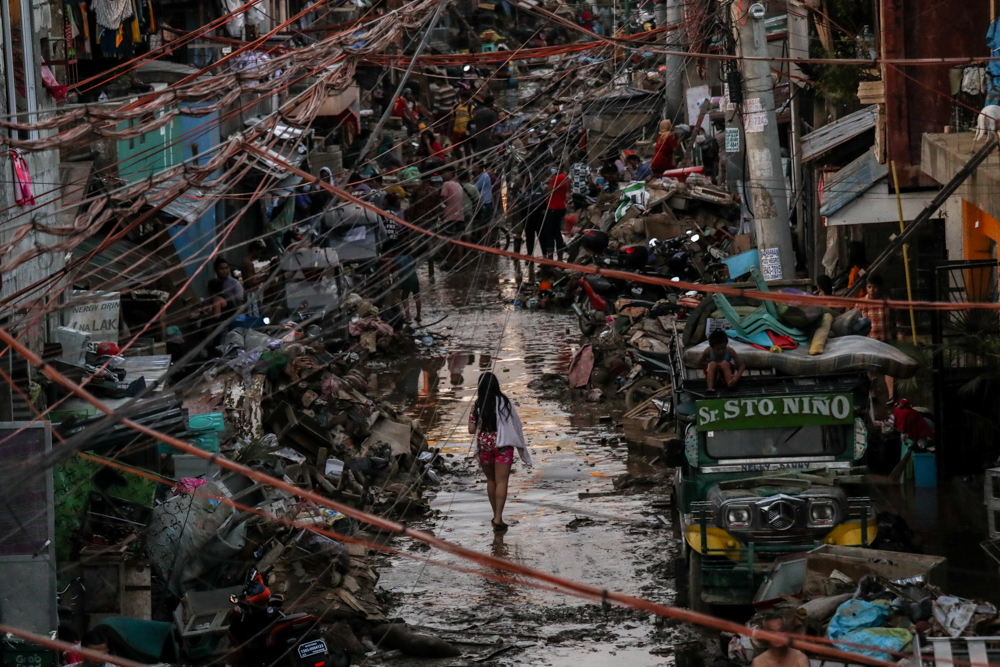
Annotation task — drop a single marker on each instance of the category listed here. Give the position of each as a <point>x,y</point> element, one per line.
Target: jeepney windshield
<point>776,442</point>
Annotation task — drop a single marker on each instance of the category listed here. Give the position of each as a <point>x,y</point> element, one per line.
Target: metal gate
<point>966,424</point>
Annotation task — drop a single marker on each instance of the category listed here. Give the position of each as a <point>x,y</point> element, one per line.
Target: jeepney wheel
<point>641,391</point>
<point>695,603</point>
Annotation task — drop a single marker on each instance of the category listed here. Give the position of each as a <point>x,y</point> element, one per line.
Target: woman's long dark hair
<point>485,411</point>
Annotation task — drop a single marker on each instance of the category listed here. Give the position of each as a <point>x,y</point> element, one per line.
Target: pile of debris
<point>874,603</point>
<point>292,410</point>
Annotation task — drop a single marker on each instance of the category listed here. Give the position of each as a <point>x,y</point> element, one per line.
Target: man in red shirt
<point>551,237</point>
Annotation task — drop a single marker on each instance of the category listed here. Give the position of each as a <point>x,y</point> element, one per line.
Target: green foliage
<point>848,19</point>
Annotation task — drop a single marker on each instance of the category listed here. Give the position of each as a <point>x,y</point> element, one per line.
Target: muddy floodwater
<point>612,541</point>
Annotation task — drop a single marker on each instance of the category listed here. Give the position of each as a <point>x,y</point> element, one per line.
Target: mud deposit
<point>566,516</point>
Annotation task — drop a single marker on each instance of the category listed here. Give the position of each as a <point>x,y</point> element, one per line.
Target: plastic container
<point>924,470</point>
<point>213,421</point>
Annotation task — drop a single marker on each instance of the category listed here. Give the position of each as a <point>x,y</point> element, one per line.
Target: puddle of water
<point>566,445</point>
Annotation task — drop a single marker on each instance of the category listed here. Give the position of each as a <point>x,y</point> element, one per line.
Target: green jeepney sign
<point>730,414</point>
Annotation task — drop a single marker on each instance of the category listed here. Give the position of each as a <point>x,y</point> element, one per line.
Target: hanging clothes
<point>136,31</point>
<point>112,13</point>
<point>22,188</point>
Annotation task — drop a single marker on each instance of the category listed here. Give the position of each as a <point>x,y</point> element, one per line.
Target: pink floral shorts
<point>489,454</point>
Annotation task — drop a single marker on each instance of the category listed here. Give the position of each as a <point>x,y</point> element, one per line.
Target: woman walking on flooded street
<point>498,433</point>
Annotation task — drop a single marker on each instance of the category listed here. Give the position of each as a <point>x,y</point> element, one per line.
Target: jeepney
<point>759,474</point>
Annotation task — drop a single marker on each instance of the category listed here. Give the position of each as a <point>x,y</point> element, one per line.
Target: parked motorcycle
<point>595,295</point>
<point>264,636</point>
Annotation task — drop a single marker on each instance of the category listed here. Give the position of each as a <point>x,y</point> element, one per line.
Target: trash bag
<point>856,615</point>
<point>892,640</point>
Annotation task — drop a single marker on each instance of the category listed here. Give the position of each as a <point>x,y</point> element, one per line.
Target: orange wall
<point>978,229</point>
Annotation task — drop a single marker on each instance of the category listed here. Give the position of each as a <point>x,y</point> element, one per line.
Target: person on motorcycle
<point>720,360</point>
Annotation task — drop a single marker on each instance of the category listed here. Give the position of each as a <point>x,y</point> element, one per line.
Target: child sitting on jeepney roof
<point>720,360</point>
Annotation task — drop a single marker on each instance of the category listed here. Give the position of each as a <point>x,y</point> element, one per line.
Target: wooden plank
<point>871,92</point>
<point>844,129</point>
<point>851,182</point>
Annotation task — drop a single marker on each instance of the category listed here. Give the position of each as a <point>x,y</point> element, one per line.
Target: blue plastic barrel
<point>924,470</point>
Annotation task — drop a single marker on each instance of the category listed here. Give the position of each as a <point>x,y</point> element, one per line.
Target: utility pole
<point>760,125</point>
<point>674,73</point>
<point>798,47</point>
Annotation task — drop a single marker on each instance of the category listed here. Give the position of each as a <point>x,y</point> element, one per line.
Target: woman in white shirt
<point>498,433</point>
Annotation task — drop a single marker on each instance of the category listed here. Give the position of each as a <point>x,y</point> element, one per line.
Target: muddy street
<point>565,515</point>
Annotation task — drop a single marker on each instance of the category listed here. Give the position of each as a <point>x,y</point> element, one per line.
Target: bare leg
<point>889,386</point>
<point>406,309</point>
<point>710,373</point>
<point>416,299</point>
<point>727,373</point>
<point>502,474</point>
<point>491,485</point>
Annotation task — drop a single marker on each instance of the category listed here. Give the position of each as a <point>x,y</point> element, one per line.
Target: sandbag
<point>818,345</point>
<point>842,355</point>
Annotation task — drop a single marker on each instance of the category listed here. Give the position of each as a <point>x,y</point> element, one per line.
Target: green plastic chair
<point>755,325</point>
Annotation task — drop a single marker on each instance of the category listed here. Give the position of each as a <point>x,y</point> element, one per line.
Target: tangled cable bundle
<point>264,76</point>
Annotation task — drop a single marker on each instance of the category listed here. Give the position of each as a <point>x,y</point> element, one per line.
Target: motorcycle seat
<point>600,284</point>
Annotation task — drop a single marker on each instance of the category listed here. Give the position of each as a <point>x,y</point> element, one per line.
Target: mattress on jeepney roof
<point>843,354</point>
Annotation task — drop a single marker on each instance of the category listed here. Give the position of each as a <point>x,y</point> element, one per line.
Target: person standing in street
<point>666,145</point>
<point>485,186</point>
<point>498,432</point>
<point>555,211</point>
<point>460,128</point>
<point>484,120</point>
<point>581,177</point>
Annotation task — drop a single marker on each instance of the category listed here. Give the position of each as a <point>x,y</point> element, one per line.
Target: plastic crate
<point>18,653</point>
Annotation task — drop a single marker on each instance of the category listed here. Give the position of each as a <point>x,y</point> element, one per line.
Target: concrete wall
<point>44,170</point>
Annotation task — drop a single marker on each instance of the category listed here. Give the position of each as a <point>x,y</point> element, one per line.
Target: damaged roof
<point>839,131</point>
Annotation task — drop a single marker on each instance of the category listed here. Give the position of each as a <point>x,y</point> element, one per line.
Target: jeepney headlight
<point>822,513</point>
<point>738,517</point>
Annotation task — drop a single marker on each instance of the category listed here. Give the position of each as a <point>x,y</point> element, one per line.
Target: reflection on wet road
<point>576,450</point>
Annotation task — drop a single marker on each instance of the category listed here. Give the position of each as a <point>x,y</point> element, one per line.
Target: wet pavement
<point>610,541</point>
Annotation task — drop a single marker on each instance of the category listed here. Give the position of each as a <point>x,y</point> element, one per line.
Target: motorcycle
<point>264,636</point>
<point>595,295</point>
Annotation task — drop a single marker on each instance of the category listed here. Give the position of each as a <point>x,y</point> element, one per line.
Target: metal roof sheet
<point>830,136</point>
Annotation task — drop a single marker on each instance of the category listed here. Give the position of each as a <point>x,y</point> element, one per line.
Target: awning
<point>860,194</point>
<point>840,131</point>
<point>123,266</point>
<point>191,205</point>
<point>846,185</point>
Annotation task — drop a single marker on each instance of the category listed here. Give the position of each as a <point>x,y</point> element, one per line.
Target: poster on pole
<point>770,263</point>
<point>754,115</point>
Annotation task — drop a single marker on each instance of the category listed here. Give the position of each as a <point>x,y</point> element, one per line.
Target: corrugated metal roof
<point>191,205</point>
<point>851,182</point>
<point>124,266</point>
<point>830,136</point>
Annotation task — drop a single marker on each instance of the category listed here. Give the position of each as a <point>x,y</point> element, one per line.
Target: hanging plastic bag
<point>22,189</point>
